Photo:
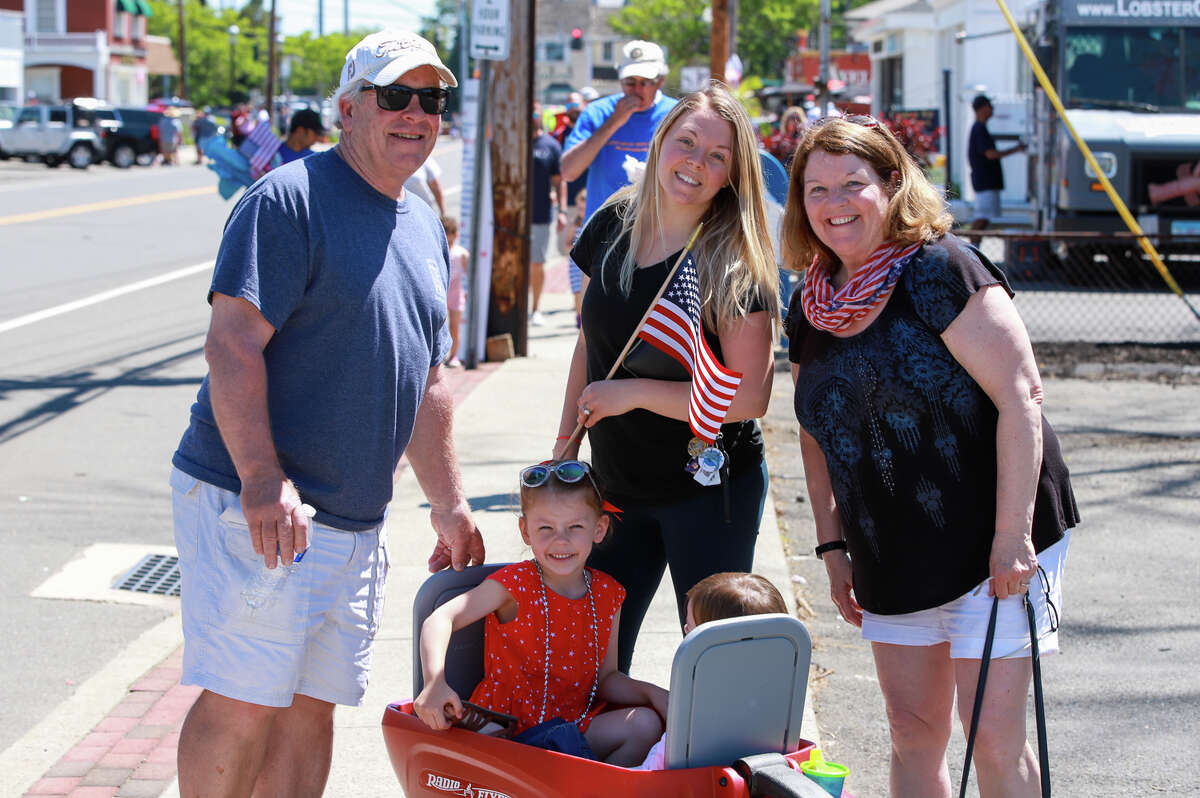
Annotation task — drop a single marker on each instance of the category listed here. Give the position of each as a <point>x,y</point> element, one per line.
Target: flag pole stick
<point>633,338</point>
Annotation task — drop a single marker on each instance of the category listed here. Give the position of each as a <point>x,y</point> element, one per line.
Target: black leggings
<point>691,536</point>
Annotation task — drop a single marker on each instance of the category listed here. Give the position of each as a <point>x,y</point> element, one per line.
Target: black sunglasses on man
<point>397,98</point>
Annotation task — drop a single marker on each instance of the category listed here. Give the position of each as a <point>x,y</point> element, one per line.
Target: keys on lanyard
<point>705,463</point>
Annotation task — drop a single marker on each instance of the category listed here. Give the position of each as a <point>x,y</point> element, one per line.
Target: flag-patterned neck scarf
<point>835,310</point>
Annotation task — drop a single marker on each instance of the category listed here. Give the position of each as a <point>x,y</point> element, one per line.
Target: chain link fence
<point>1099,289</point>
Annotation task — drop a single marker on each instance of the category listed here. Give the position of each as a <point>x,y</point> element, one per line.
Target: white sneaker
<point>537,319</point>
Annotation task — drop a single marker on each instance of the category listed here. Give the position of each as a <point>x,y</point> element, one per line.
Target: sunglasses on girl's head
<point>855,119</point>
<point>397,98</point>
<point>567,471</point>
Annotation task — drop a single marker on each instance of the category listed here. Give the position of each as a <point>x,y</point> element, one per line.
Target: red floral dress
<point>515,652</point>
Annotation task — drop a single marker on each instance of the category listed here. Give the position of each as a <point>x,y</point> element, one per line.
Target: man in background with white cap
<point>325,347</point>
<point>619,126</point>
<point>614,132</point>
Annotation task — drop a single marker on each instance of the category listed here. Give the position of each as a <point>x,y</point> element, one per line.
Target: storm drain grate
<point>157,574</point>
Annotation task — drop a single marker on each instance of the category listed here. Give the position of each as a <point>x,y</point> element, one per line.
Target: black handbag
<point>1038,700</point>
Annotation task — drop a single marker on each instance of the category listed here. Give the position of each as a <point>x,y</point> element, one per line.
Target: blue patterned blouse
<point>910,439</point>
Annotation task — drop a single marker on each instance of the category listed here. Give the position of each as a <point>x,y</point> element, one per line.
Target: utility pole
<point>320,18</point>
<point>346,17</point>
<point>718,51</point>
<point>271,66</point>
<point>510,96</point>
<point>182,52</point>
<point>823,54</point>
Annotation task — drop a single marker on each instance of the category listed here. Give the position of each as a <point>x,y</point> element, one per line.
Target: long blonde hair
<point>733,255</point>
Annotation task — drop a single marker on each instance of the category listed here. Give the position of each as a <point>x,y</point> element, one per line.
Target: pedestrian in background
<point>791,130</point>
<point>611,138</point>
<point>703,165</point>
<point>325,348</point>
<point>305,130</point>
<point>203,129</point>
<point>169,135</point>
<point>935,481</point>
<point>548,209</point>
<point>424,183</point>
<point>456,294</point>
<point>987,176</point>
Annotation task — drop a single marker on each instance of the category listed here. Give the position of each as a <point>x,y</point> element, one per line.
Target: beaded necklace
<point>587,578</point>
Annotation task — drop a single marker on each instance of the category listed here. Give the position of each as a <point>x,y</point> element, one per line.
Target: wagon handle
<point>770,776</point>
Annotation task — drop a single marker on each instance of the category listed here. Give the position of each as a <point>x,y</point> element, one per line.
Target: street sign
<point>490,29</point>
<point>694,78</point>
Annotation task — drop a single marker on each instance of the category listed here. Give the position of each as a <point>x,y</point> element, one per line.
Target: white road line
<point>103,296</point>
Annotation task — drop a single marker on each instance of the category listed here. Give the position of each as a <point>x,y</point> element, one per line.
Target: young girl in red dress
<point>550,634</point>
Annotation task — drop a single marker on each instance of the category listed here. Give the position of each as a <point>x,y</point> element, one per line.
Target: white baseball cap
<point>384,56</point>
<point>641,59</point>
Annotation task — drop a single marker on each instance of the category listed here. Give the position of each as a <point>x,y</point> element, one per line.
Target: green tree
<point>442,29</point>
<point>763,27</point>
<point>209,50</point>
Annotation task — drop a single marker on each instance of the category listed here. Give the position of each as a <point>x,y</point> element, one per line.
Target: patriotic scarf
<point>835,310</point>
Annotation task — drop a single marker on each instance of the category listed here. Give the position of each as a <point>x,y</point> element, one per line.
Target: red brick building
<point>85,48</point>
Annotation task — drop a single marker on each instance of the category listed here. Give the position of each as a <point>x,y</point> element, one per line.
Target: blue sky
<point>301,15</point>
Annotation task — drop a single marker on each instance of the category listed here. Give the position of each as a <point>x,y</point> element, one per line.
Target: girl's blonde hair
<point>916,211</point>
<point>733,255</point>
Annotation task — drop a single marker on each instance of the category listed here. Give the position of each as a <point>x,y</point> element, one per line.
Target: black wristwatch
<point>830,546</point>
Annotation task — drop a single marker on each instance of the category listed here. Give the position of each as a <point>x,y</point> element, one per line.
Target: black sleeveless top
<point>910,439</point>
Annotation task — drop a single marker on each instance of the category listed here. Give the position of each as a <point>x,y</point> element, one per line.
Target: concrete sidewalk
<point>118,737</point>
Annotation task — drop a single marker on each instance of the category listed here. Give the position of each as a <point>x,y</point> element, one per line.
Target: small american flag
<point>674,327</point>
<point>266,144</point>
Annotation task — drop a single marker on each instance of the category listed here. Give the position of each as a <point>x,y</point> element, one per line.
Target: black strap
<point>1043,752</point>
<point>1039,700</point>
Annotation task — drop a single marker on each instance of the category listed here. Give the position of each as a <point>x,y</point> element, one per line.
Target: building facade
<point>564,63</point>
<point>938,55</point>
<point>84,48</point>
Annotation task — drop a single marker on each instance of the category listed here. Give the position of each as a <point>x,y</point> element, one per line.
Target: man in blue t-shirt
<point>612,135</point>
<point>620,126</point>
<point>306,130</point>
<point>324,351</point>
<point>987,177</point>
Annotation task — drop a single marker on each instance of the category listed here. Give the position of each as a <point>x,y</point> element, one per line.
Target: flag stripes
<point>674,326</point>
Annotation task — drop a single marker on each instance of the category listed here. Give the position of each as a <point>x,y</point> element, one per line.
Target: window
<point>46,16</point>
<point>1132,67</point>
<point>891,83</point>
<point>58,115</point>
<point>607,53</point>
<point>29,116</point>
<point>553,51</point>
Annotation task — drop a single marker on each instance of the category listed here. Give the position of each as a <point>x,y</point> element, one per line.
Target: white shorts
<point>314,639</point>
<point>539,242</point>
<point>963,622</point>
<point>987,204</point>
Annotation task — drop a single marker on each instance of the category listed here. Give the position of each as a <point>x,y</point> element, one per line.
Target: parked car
<point>55,133</point>
<point>135,140</point>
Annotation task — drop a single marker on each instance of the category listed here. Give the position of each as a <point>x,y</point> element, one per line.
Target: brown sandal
<point>485,721</point>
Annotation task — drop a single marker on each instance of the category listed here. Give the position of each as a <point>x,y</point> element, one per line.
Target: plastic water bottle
<point>264,589</point>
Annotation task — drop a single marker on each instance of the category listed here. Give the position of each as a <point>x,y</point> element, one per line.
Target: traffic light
<point>576,39</point>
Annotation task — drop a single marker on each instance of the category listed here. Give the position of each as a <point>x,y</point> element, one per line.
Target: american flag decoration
<point>673,325</point>
<point>266,144</point>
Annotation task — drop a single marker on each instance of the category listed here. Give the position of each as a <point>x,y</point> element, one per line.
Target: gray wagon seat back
<point>737,685</point>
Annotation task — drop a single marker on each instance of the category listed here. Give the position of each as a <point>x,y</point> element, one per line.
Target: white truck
<point>1128,72</point>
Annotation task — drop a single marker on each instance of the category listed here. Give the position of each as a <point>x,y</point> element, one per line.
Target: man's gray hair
<point>351,89</point>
